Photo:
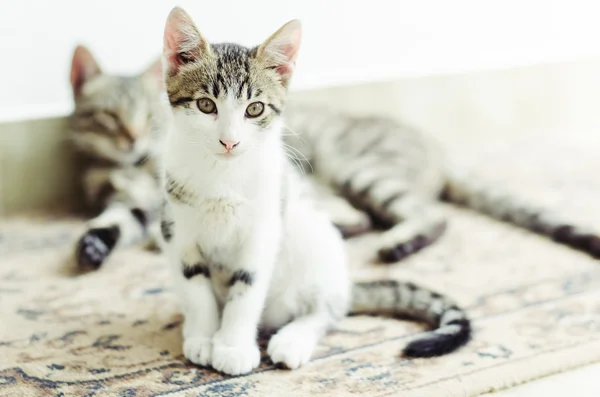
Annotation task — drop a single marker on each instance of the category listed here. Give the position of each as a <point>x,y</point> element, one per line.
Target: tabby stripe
<point>177,192</point>
<point>216,90</point>
<point>180,101</point>
<point>241,276</point>
<point>368,146</point>
<point>195,270</point>
<point>166,229</point>
<point>275,108</point>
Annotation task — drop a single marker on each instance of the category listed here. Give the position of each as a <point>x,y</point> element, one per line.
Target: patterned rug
<point>535,307</point>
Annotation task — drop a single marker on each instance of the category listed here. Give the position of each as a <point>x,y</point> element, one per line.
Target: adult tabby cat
<point>390,171</point>
<point>246,244</point>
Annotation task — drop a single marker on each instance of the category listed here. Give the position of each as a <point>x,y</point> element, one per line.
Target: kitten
<point>115,128</point>
<point>246,243</point>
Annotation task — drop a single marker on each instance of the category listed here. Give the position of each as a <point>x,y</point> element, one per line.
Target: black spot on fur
<point>241,276</point>
<point>95,245</point>
<point>195,270</point>
<point>166,229</point>
<point>140,216</point>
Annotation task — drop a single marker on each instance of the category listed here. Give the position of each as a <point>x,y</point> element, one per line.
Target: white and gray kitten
<point>247,245</point>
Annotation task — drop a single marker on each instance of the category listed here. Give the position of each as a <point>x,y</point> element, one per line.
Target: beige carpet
<point>535,306</point>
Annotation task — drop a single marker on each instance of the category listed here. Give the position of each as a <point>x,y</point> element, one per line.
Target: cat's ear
<point>83,67</point>
<point>279,51</point>
<point>183,43</point>
<point>153,75</point>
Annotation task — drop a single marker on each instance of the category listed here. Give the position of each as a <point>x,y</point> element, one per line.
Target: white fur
<point>298,262</point>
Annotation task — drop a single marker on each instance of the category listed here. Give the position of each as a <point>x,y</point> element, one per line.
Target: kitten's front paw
<point>235,360</point>
<point>198,350</point>
<point>95,245</point>
<point>290,349</point>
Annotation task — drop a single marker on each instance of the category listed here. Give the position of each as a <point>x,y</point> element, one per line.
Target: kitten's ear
<point>83,67</point>
<point>153,75</point>
<point>279,51</point>
<point>183,43</point>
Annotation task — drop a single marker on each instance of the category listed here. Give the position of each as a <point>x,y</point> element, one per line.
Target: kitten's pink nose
<point>229,145</point>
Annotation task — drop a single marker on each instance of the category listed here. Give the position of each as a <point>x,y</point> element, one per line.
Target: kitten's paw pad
<point>289,349</point>
<point>235,360</point>
<point>198,350</point>
<point>95,245</point>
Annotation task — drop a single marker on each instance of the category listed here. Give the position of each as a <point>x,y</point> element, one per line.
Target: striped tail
<point>452,328</point>
<point>467,191</point>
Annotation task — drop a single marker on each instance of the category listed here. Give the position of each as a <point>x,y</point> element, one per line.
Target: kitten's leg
<point>193,286</point>
<point>349,220</point>
<point>132,202</point>
<point>235,350</point>
<point>295,343</point>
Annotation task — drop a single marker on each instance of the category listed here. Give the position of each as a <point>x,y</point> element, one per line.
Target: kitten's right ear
<point>183,43</point>
<point>83,67</point>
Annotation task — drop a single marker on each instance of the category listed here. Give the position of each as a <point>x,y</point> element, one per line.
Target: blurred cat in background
<point>115,128</point>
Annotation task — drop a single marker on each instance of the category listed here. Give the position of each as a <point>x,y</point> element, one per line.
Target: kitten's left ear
<point>182,43</point>
<point>153,75</point>
<point>279,51</point>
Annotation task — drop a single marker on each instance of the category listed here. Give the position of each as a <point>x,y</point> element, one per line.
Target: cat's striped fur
<point>396,174</point>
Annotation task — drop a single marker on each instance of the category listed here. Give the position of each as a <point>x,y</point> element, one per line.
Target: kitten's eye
<point>255,109</point>
<point>207,106</point>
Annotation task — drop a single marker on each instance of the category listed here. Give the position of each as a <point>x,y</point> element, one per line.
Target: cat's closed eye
<point>255,109</point>
<point>207,106</point>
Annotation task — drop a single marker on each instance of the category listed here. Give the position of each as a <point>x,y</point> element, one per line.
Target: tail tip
<point>438,343</point>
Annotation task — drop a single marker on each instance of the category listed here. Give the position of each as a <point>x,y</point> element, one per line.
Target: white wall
<point>344,42</point>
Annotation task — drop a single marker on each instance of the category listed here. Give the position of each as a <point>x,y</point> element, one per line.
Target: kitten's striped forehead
<point>230,70</point>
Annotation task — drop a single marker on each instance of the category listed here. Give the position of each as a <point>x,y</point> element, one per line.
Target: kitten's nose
<point>229,145</point>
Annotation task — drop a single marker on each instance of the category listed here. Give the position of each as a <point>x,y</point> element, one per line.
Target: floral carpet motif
<point>535,306</point>
<point>116,332</point>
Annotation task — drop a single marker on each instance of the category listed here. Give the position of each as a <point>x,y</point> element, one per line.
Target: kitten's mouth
<point>227,155</point>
